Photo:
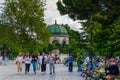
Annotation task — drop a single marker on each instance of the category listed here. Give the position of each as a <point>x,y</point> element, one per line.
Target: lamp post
<point>81,36</point>
<point>83,39</point>
<point>91,50</point>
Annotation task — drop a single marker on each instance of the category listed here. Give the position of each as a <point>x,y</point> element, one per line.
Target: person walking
<point>57,60</point>
<point>19,61</point>
<point>70,63</point>
<point>51,59</point>
<point>27,61</point>
<point>1,59</point>
<point>39,60</point>
<point>34,62</point>
<point>78,59</point>
<point>5,60</point>
<point>43,62</point>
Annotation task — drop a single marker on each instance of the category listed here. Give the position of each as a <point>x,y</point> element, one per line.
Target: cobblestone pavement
<point>9,72</point>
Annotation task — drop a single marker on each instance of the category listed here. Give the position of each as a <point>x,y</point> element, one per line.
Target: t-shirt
<point>51,58</point>
<point>34,58</point>
<point>70,59</point>
<point>27,60</point>
<point>19,58</point>
<point>1,58</point>
<point>78,59</point>
<point>87,59</point>
<point>39,58</point>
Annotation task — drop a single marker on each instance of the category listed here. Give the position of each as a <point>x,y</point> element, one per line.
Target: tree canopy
<point>104,13</point>
<point>22,25</point>
<point>85,9</point>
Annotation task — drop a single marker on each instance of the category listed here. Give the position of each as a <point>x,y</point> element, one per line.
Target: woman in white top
<point>43,62</point>
<point>27,60</point>
<point>39,61</point>
<point>19,61</point>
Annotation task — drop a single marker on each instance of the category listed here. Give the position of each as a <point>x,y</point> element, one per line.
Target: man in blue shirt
<point>70,63</point>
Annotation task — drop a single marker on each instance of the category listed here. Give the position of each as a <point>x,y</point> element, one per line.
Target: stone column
<point>60,48</point>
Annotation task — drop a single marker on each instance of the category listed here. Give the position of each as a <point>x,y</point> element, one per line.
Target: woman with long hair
<point>19,61</point>
<point>43,62</point>
<point>34,62</point>
<point>27,60</point>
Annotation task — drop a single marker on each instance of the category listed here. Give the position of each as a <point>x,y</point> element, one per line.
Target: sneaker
<point>70,71</point>
<point>79,70</point>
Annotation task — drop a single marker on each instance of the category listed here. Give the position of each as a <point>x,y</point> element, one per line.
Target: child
<point>5,60</point>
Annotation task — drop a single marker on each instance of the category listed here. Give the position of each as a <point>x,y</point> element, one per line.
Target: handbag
<point>81,62</point>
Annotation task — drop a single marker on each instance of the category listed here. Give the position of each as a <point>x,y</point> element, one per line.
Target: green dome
<point>57,29</point>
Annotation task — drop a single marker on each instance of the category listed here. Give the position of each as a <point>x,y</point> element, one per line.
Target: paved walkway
<point>10,73</point>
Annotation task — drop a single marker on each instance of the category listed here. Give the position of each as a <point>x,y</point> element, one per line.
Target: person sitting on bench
<point>111,69</point>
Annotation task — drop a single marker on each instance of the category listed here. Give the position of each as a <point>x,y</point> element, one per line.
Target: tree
<point>85,9</point>
<point>104,13</point>
<point>74,40</point>
<point>25,22</point>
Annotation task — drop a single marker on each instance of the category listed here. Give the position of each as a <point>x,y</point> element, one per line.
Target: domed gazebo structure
<point>59,34</point>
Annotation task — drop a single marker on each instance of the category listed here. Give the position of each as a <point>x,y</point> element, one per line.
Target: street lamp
<point>82,36</point>
<point>91,51</point>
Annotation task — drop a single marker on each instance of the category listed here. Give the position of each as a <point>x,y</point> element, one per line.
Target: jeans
<point>27,67</point>
<point>70,66</point>
<point>34,63</point>
<point>5,62</point>
<point>79,66</point>
<point>52,67</point>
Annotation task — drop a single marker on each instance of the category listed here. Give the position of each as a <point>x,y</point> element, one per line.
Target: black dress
<point>43,66</point>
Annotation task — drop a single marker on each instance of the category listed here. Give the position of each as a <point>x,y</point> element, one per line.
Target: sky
<point>52,14</point>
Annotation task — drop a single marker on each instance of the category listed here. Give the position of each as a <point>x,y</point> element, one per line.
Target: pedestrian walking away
<point>51,59</point>
<point>70,63</point>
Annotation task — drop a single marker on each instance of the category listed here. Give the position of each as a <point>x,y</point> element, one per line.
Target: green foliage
<point>74,40</point>
<point>78,9</point>
<point>100,10</point>
<point>23,22</point>
<point>106,17</point>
